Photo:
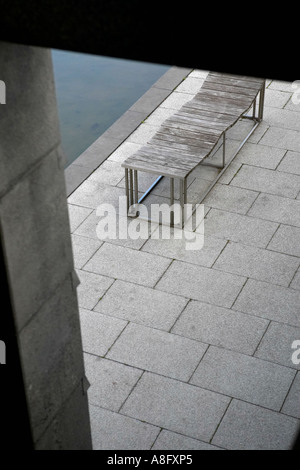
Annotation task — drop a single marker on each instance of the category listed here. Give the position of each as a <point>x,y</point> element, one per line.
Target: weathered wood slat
<point>233,81</point>
<point>229,88</point>
<point>220,97</point>
<point>190,149</point>
<point>170,155</point>
<point>222,108</point>
<point>257,80</point>
<point>224,95</point>
<point>208,115</point>
<point>187,124</point>
<point>188,134</point>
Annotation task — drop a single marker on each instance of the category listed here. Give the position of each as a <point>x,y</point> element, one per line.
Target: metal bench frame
<point>131,174</point>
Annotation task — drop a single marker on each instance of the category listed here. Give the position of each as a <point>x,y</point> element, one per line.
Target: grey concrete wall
<point>36,238</point>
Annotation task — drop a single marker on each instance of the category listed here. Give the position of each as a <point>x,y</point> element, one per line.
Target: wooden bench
<point>188,137</point>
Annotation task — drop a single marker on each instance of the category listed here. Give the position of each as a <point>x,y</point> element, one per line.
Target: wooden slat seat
<point>189,136</point>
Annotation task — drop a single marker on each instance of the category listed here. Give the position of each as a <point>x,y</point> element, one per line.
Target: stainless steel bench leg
<point>172,201</point>
<point>131,187</point>
<point>224,149</point>
<point>127,189</point>
<point>261,102</point>
<point>136,187</point>
<point>254,109</point>
<point>183,200</point>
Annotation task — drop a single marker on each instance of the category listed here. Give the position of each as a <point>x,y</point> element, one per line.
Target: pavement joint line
<point>116,339</point>
<point>132,389</point>
<point>219,423</point>
<point>287,393</point>
<point>200,360</point>
<point>176,320</point>
<point>290,387</point>
<point>297,270</point>
<point>258,193</point>
<point>227,242</point>
<point>255,278</point>
<point>100,298</point>
<point>263,335</point>
<point>282,158</point>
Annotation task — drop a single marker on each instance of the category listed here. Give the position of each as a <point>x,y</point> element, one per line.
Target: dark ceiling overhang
<point>207,35</point>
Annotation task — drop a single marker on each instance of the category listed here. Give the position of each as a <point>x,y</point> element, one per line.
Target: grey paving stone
<point>128,265</point>
<point>287,139</point>
<point>260,155</point>
<point>199,283</point>
<point>239,131</point>
<point>204,172</point>
<point>74,176</point>
<point>239,228</point>
<point>110,382</point>
<point>77,215</point>
<point>91,194</point>
<point>283,118</point>
<point>196,189</point>
<point>168,440</point>
<point>142,305</point>
<point>245,377</point>
<point>124,151</point>
<point>257,263</point>
<point>276,345</point>
<point>286,240</point>
<point>91,288</point>
<point>157,351</point>
<point>176,406</point>
<point>150,100</point>
<point>292,403</point>
<point>293,105</point>
<point>220,327</point>
<point>290,163</point>
<point>276,208</point>
<point>268,181</point>
<point>109,172</point>
<point>176,100</point>
<point>295,284</point>
<point>99,331</point>
<point>115,232</point>
<point>276,98</point>
<point>190,85</point>
<point>199,73</point>
<point>159,115</point>
<point>230,198</point>
<point>142,134</point>
<point>281,86</point>
<point>112,431</point>
<point>250,427</point>
<point>177,248</point>
<point>83,249</point>
<point>269,301</point>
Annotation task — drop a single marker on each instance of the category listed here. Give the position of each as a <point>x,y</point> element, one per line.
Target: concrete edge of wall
<point>117,133</point>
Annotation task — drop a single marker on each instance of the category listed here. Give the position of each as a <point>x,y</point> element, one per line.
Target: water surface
<point>93,92</point>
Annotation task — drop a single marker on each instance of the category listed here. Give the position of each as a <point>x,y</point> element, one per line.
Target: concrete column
<point>36,240</point>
